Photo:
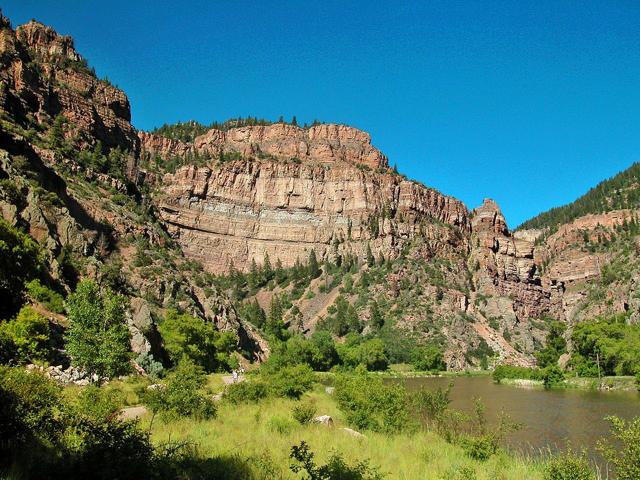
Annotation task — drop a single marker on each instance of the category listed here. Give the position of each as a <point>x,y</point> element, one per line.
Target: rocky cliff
<point>42,76</point>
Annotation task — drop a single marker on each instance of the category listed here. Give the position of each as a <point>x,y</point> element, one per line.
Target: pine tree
<point>376,318</point>
<point>267,270</point>
<point>313,268</point>
<point>371,261</point>
<point>294,121</point>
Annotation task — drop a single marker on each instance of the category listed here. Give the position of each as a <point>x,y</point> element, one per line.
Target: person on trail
<point>235,376</point>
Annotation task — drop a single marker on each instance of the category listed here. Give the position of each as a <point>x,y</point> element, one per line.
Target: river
<point>550,418</point>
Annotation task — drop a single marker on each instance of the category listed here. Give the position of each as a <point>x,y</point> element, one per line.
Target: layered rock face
<point>42,76</point>
<point>238,211</point>
<point>326,144</point>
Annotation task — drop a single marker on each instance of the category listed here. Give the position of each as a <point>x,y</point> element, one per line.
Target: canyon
<point>279,191</point>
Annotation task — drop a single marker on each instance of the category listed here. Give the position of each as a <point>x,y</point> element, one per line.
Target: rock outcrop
<point>238,211</point>
<point>42,76</point>
<point>324,144</point>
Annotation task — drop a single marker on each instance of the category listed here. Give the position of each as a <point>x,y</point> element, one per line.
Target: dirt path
<point>132,413</point>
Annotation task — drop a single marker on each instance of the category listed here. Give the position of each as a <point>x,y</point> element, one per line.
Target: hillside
<point>221,222</point>
<point>619,192</point>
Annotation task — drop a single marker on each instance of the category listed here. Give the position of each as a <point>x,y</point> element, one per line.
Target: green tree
<point>313,268</point>
<point>199,341</point>
<point>371,261</point>
<point>555,346</point>
<point>20,261</point>
<point>429,358</point>
<point>29,336</point>
<point>98,337</point>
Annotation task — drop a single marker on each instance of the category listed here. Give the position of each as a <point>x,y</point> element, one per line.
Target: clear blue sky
<point>530,103</point>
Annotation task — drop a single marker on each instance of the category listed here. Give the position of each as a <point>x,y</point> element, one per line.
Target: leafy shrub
<point>568,466</point>
<point>480,447</point>
<point>20,261</point>
<point>370,404</point>
<point>198,340</point>
<point>150,365</point>
<point>555,346</point>
<point>27,337</point>
<point>512,372</point>
<point>335,469</point>
<point>623,449</point>
<point>97,403</point>
<point>369,353</point>
<point>428,358</point>
<point>291,382</point>
<point>44,295</point>
<point>303,413</point>
<point>180,396</point>
<point>552,375</point>
<point>245,392</point>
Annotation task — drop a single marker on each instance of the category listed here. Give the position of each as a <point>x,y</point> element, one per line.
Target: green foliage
<point>29,408</point>
<point>97,403</point>
<point>342,318</point>
<point>303,413</point>
<point>335,469</point>
<point>27,337</point>
<point>484,441</point>
<point>180,395</point>
<point>618,192</point>
<point>150,365</point>
<point>552,376</point>
<point>622,450</point>
<point>368,353</point>
<point>198,340</point>
<point>246,392</point>
<point>20,261</point>
<point>611,342</point>
<point>568,466</point>
<point>370,404</point>
<point>555,346</point>
<point>291,382</point>
<point>44,295</point>
<point>432,405</point>
<point>98,337</point>
<point>429,358</point>
<point>512,372</point>
<point>318,352</point>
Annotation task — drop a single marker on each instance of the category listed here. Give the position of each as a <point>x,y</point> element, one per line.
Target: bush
<point>369,353</point>
<point>44,295</point>
<point>97,403</point>
<point>428,358</point>
<point>480,447</point>
<point>27,337</point>
<point>623,450</point>
<point>20,261</point>
<point>180,396</point>
<point>335,469</point>
<point>370,404</point>
<point>153,368</point>
<point>303,413</point>
<point>552,376</point>
<point>245,392</point>
<point>291,382</point>
<point>198,340</point>
<point>568,466</point>
<point>509,371</point>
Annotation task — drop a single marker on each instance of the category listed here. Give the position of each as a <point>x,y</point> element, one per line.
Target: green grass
<point>262,434</point>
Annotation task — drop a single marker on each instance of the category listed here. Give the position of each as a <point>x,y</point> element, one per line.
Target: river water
<point>550,418</point>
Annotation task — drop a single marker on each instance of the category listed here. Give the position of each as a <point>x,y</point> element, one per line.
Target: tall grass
<point>255,434</point>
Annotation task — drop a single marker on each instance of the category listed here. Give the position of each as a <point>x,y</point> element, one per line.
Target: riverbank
<point>619,384</point>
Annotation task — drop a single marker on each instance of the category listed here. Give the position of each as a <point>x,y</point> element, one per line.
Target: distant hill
<point>619,192</point>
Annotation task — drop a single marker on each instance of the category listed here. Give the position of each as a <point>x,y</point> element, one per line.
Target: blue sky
<point>529,103</point>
